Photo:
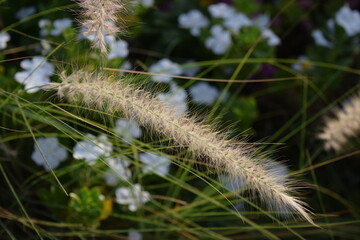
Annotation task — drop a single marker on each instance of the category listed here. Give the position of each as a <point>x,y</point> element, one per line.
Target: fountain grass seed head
<point>345,124</point>
<point>101,18</point>
<point>111,94</point>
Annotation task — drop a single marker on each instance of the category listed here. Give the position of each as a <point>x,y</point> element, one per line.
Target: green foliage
<point>245,110</point>
<point>85,207</point>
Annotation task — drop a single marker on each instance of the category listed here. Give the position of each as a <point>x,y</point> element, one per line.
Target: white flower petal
<point>204,93</point>
<point>51,149</point>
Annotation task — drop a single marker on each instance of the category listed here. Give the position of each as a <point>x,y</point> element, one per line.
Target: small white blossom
<point>92,148</point>
<point>175,99</point>
<point>52,151</point>
<point>164,66</point>
<point>349,20</point>
<point>25,12</point>
<point>262,21</point>
<point>36,74</point>
<point>126,65</point>
<point>191,71</point>
<point>118,171</point>
<point>220,40</point>
<point>128,129</point>
<point>272,39</point>
<point>193,20</point>
<point>134,235</point>
<point>221,10</point>
<point>83,34</point>
<point>234,184</point>
<point>45,26</point>
<point>279,172</point>
<point>146,3</point>
<point>302,64</point>
<point>45,48</point>
<point>237,21</point>
<point>60,25</point>
<point>118,49</point>
<point>155,163</point>
<point>320,39</point>
<point>204,93</point>
<point>4,38</point>
<point>133,196</point>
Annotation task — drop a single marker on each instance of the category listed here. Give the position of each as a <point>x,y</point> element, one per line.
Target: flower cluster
<point>53,28</point>
<point>346,18</point>
<point>128,129</point>
<point>117,48</point>
<point>155,163</point>
<point>36,74</point>
<point>132,196</point>
<point>48,152</point>
<point>118,170</point>
<point>202,93</point>
<point>92,148</point>
<point>232,22</point>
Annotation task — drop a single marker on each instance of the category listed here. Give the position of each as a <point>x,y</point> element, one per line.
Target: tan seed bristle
<point>345,124</point>
<point>109,94</point>
<point>101,18</point>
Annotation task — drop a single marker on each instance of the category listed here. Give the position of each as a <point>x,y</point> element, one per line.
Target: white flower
<point>237,21</point>
<point>92,148</point>
<point>128,129</point>
<point>118,49</point>
<point>52,151</point>
<point>60,25</point>
<point>147,3</point>
<point>25,12</point>
<point>262,21</point>
<point>134,235</point>
<point>44,25</point>
<point>126,65</point>
<point>320,40</point>
<point>220,40</point>
<point>349,20</point>
<point>175,99</point>
<point>164,66</point>
<point>118,171</point>
<point>204,93</point>
<point>272,38</point>
<point>45,47</point>
<point>191,71</point>
<point>155,163</point>
<point>4,38</point>
<point>37,72</point>
<point>84,34</point>
<point>193,20</point>
<point>221,10</point>
<point>132,196</point>
<point>279,172</point>
<point>234,184</point>
<point>303,64</point>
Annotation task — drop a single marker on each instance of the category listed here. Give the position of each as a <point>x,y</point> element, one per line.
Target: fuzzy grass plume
<point>100,18</point>
<point>345,124</point>
<point>104,92</point>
